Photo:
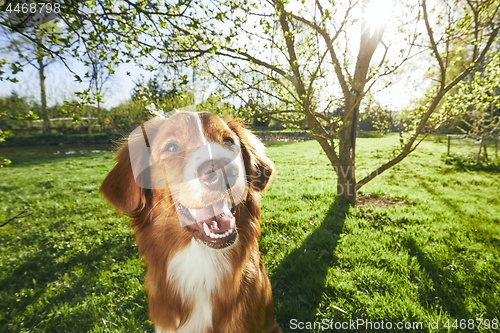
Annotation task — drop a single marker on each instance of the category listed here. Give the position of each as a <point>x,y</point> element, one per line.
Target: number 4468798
<point>472,324</point>
<point>33,8</point>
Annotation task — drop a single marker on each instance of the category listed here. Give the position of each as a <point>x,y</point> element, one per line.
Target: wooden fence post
<point>448,136</point>
<point>480,146</point>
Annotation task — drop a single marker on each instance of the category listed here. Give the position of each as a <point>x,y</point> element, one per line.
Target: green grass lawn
<point>68,263</point>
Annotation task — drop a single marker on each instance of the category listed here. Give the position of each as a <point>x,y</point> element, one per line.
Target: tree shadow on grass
<point>45,293</point>
<point>459,289</point>
<point>444,289</point>
<point>299,281</point>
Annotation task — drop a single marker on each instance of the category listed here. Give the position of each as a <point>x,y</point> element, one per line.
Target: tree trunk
<point>43,95</point>
<point>346,181</point>
<point>346,175</point>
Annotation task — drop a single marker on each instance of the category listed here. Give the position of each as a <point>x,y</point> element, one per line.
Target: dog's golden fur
<point>227,289</point>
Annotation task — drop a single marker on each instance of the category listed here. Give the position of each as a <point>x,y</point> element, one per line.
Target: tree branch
<point>409,146</point>
<point>20,215</point>
<point>329,44</point>
<point>442,69</point>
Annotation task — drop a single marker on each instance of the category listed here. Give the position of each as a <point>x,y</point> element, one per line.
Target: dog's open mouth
<point>214,225</point>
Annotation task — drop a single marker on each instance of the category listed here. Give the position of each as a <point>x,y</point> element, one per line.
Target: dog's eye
<point>172,148</point>
<point>228,142</point>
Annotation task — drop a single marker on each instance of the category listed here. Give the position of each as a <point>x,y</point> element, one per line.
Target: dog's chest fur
<point>197,272</point>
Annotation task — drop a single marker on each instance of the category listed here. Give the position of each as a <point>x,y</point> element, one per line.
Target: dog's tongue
<point>219,212</point>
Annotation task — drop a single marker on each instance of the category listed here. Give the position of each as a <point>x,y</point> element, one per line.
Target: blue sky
<point>60,84</point>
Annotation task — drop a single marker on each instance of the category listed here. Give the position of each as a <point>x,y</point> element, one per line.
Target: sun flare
<point>376,13</point>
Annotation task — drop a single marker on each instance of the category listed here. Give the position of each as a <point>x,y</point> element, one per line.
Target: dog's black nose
<point>218,174</point>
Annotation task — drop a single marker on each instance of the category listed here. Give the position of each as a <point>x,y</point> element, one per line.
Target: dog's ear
<point>119,186</point>
<point>259,167</point>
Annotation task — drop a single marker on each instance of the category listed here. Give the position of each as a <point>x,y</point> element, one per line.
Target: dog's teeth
<point>215,224</point>
<point>212,235</point>
<point>233,223</point>
<point>207,230</point>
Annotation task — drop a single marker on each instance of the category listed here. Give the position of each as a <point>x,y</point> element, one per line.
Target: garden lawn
<point>68,263</point>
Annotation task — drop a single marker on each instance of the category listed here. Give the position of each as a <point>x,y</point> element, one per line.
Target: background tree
<point>98,76</point>
<point>476,104</point>
<point>13,110</point>
<point>74,34</point>
<point>305,49</point>
<point>33,52</point>
<point>158,93</point>
<point>376,118</point>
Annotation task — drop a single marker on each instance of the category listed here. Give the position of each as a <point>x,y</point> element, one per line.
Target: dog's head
<point>203,166</point>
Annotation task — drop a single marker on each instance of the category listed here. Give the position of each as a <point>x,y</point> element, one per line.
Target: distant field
<point>68,263</point>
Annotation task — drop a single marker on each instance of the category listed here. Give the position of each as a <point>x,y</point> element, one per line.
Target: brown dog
<point>190,184</point>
